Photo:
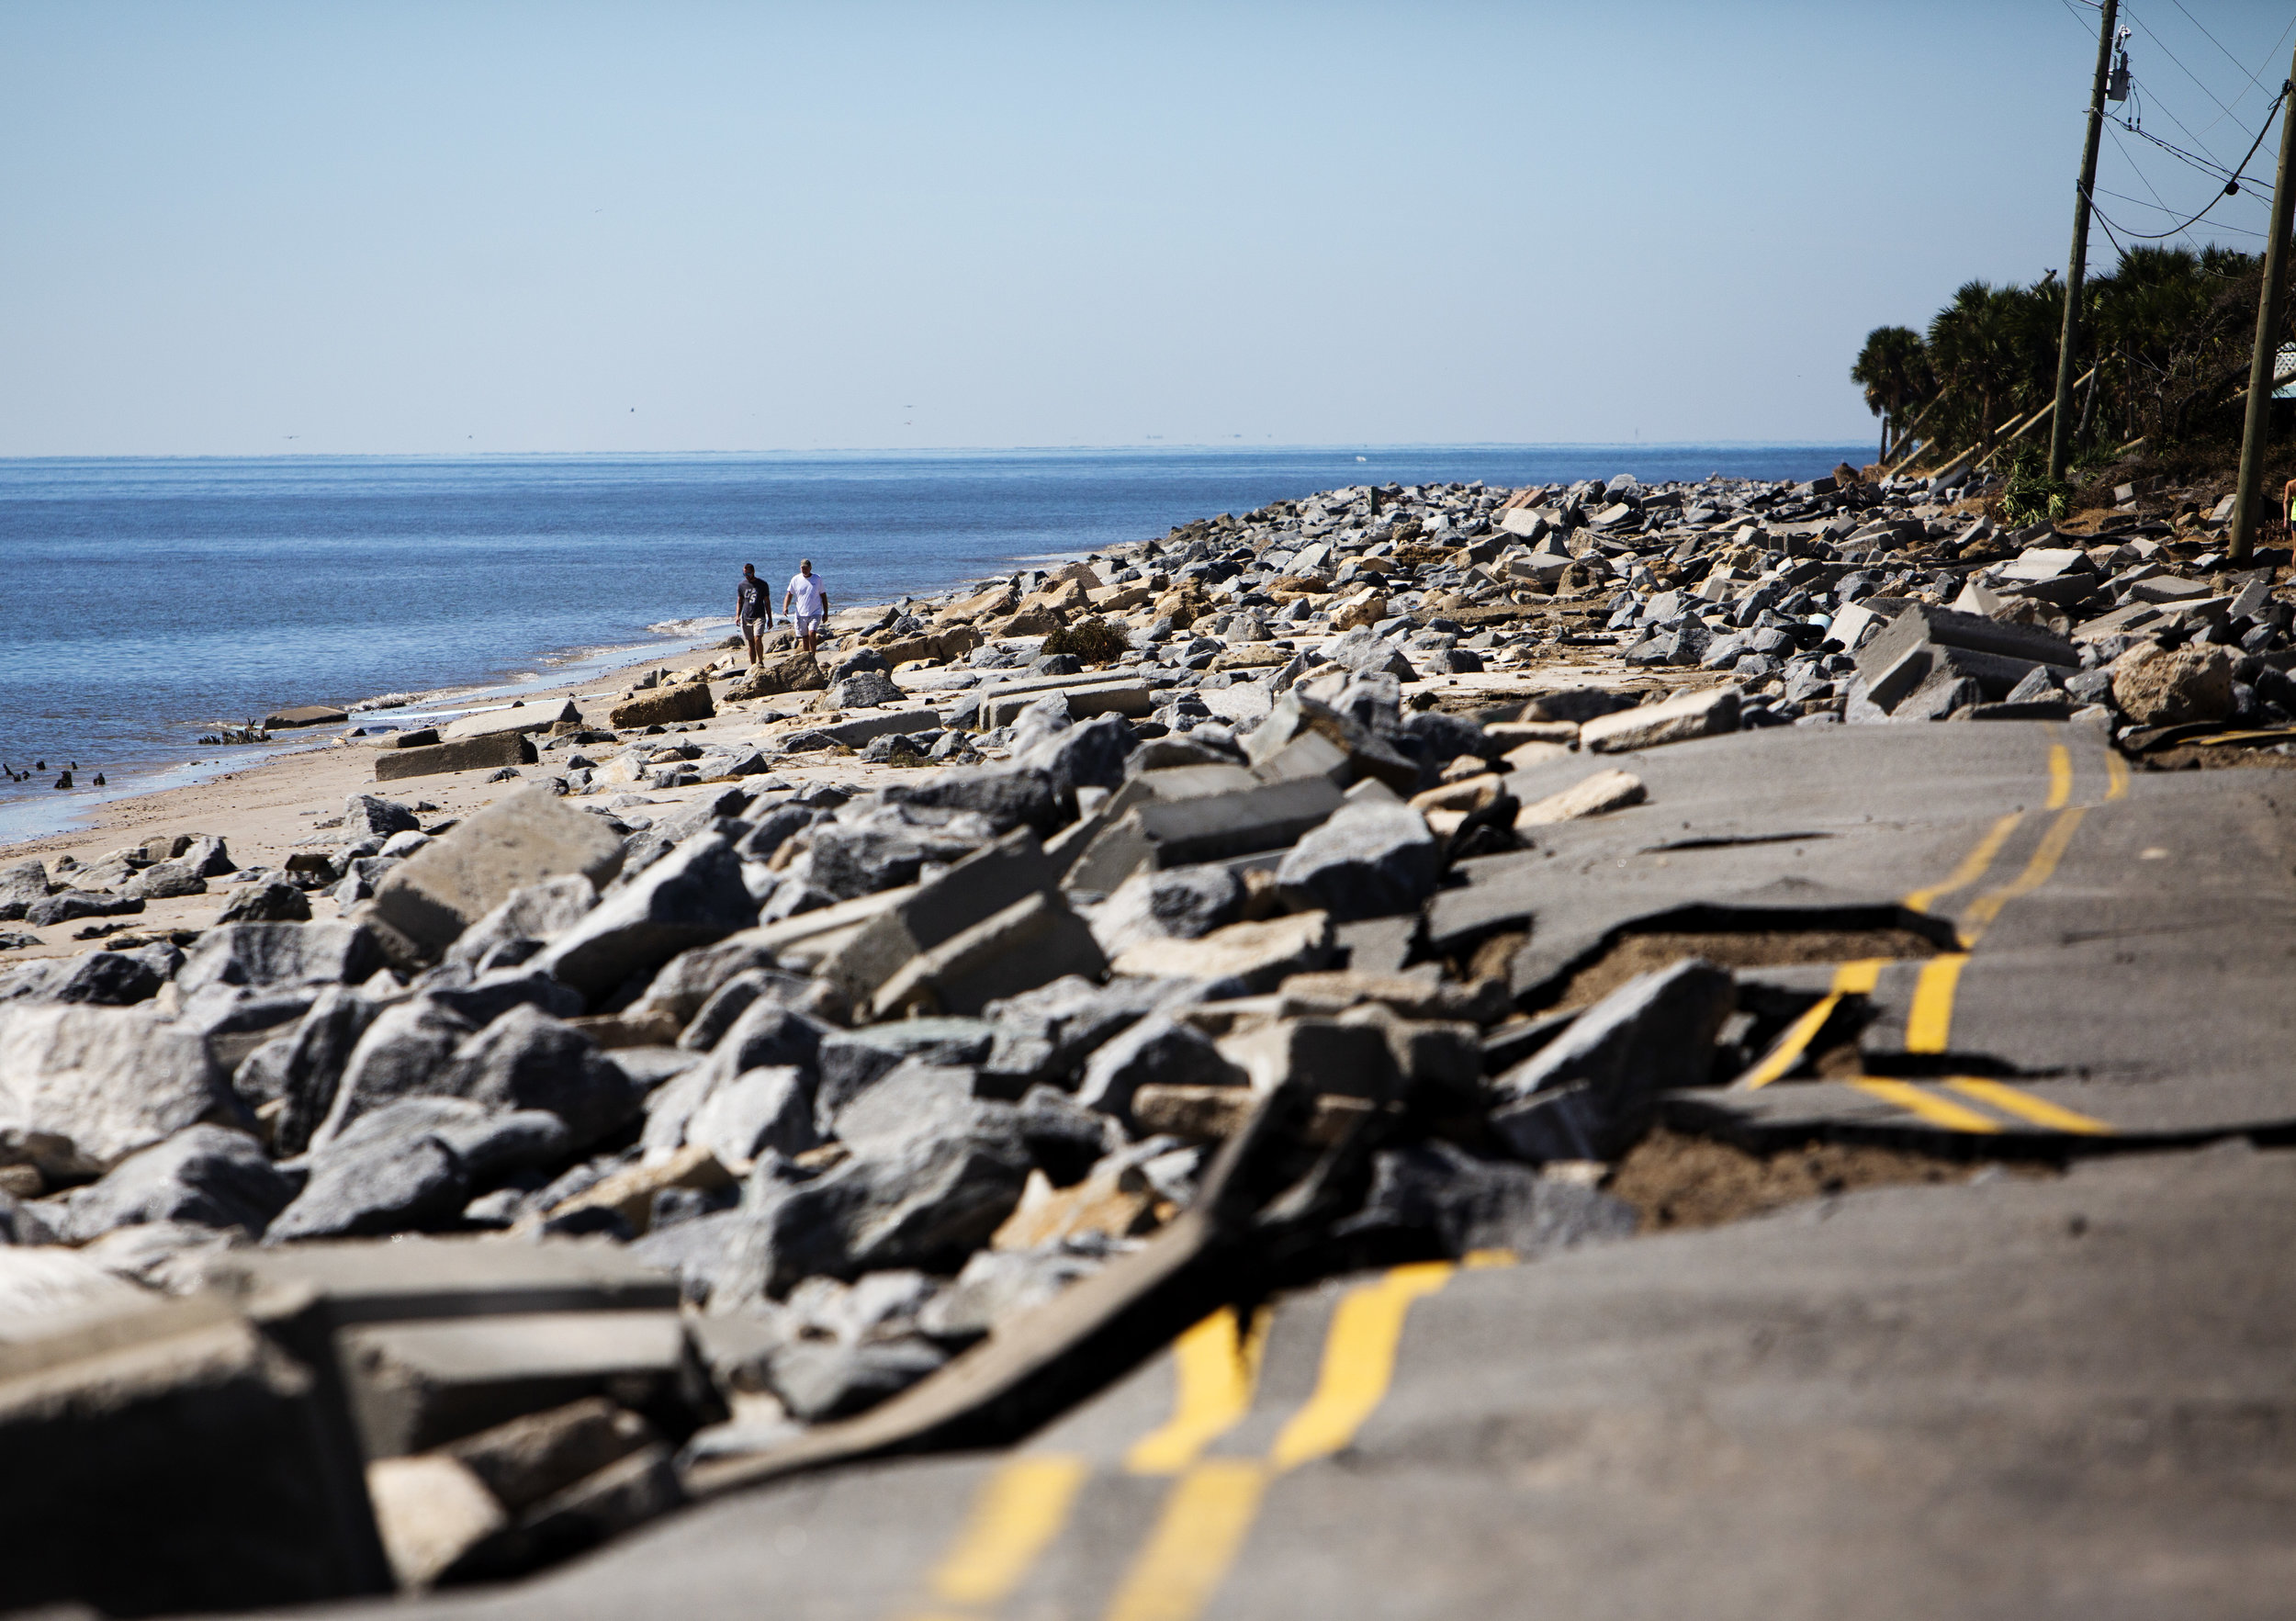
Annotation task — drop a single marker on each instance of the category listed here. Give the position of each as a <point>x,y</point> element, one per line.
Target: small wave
<point>689,627</point>
<point>388,700</point>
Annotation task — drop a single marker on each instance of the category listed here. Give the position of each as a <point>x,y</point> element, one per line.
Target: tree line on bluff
<point>2169,332</point>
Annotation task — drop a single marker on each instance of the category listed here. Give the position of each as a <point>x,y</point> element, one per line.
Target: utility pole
<point>2077,264</point>
<point>2261,369</point>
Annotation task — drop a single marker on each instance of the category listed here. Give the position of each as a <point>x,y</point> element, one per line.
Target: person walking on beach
<point>812,604</point>
<point>753,603</point>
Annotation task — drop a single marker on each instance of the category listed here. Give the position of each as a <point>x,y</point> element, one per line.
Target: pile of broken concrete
<point>575,1157</point>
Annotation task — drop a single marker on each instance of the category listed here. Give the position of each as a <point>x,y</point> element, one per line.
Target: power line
<point>2228,56</point>
<point>2231,184</point>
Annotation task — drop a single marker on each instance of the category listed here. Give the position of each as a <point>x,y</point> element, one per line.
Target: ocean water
<point>143,601</point>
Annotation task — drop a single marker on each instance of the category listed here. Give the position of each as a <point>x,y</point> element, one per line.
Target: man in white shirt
<point>812,603</point>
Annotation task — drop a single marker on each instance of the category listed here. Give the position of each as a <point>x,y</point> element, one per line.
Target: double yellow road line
<point>1213,1501</point>
<point>1930,1022</point>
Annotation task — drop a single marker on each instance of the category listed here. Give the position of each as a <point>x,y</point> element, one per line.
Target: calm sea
<point>143,601</point>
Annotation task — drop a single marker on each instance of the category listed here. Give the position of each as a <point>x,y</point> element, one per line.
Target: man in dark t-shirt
<point>753,611</point>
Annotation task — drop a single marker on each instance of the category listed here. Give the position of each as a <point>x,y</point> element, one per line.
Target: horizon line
<point>1355,447</point>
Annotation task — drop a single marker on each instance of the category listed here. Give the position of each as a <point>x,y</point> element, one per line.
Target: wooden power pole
<point>2261,368</point>
<point>2069,342</point>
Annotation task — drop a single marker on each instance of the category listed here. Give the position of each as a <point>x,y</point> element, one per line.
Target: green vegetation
<point>2167,330</point>
<point>1094,640</point>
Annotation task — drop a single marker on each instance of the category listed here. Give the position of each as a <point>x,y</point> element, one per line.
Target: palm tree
<point>1894,370</point>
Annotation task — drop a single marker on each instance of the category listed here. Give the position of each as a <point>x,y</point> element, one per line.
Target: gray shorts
<point>753,625</point>
<point>807,623</point>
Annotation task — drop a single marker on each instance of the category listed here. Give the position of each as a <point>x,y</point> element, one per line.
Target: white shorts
<point>807,623</point>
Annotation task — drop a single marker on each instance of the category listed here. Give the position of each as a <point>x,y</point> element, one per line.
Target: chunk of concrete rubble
<point>1327,1055</point>
<point>1366,860</point>
<point>83,1087</point>
<point>431,1511</point>
<point>1205,829</point>
<point>1592,1092</point>
<point>691,897</point>
<point>1158,1050</point>
<point>518,843</point>
<point>2157,686</point>
<point>982,884</point>
<point>119,1494</point>
<point>1676,720</point>
<point>494,752</point>
<point>1592,797</point>
<point>1025,944</point>
<point>1296,715</point>
<point>1467,1206</point>
<point>417,1385</point>
<point>1248,957</point>
<point>663,706</point>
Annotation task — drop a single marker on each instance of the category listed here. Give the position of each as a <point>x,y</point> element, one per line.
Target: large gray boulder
<point>1370,860</point>
<point>1177,903</point>
<point>692,897</point>
<point>260,955</point>
<point>205,1176</point>
<point>527,1060</point>
<point>111,979</point>
<point>927,1201</point>
<point>413,1166</point>
<point>21,884</point>
<point>1459,1204</point>
<point>452,883</point>
<point>369,816</point>
<point>83,1087</point>
<point>529,918</point>
<point>1157,1051</point>
<point>403,1051</point>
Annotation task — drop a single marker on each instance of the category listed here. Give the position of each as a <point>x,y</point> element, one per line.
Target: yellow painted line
<point>1217,1365</point>
<point>1973,866</point>
<point>1791,1046</point>
<point>2116,775</point>
<point>1938,1111</point>
<point>1987,906</point>
<point>1358,1363</point>
<point>1931,1023</point>
<point>1859,978</point>
<point>1020,1509</point>
<point>2060,777</point>
<point>2025,1107</point>
<point>1205,1520</point>
<point>1852,979</point>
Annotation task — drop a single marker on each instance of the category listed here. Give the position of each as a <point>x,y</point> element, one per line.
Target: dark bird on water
<point>98,779</point>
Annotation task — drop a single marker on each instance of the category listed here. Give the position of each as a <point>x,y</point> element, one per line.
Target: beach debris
<point>598,1120</point>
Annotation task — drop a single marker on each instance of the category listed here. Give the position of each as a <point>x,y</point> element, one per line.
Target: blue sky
<point>242,228</point>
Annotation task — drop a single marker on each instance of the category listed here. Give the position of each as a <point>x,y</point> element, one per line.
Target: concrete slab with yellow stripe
<point>2113,950</point>
<point>2031,1395</point>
